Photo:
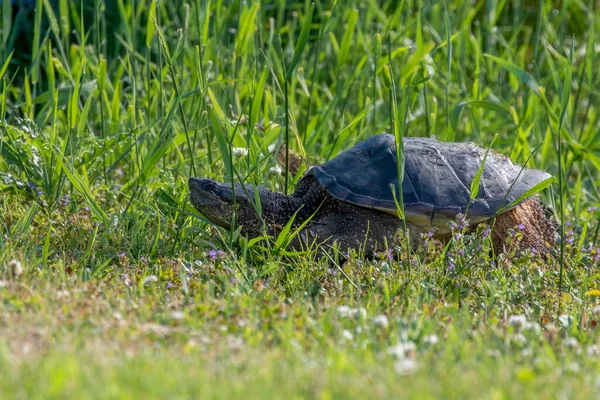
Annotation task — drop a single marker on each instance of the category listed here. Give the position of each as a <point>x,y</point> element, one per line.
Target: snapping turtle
<point>352,201</point>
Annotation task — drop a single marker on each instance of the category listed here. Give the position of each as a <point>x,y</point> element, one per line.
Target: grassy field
<point>113,286</point>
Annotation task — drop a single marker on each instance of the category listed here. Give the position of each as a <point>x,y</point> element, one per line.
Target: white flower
<point>402,350</point>
<point>406,366</point>
<point>381,321</point>
<point>276,170</point>
<point>239,151</point>
<point>15,268</point>
<point>572,344</point>
<point>150,279</point>
<point>517,321</point>
<point>177,315</point>
<point>343,311</point>
<point>593,350</point>
<point>565,320</point>
<point>520,339</point>
<point>347,335</point>
<point>430,339</point>
<point>359,312</point>
<point>347,312</point>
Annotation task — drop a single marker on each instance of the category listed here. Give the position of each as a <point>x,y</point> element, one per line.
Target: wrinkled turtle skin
<point>351,201</point>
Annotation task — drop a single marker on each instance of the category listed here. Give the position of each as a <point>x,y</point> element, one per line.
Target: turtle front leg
<point>365,230</point>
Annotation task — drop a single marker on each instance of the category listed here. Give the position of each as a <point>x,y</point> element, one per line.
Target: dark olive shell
<point>437,179</point>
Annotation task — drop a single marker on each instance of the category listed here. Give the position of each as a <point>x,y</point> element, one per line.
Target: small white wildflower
<point>517,321</point>
<point>572,367</point>
<point>177,315</point>
<point>343,311</point>
<point>272,147</point>
<point>276,170</point>
<point>526,352</point>
<point>593,350</point>
<point>565,320</point>
<point>381,321</point>
<point>347,312</point>
<point>347,335</point>
<point>520,339</point>
<point>15,268</point>
<point>430,339</point>
<point>150,279</point>
<point>239,151</point>
<point>235,342</point>
<point>533,327</point>
<point>62,294</point>
<point>118,316</point>
<point>572,343</point>
<point>494,353</point>
<point>596,310</point>
<point>359,312</point>
<point>403,350</point>
<point>406,366</point>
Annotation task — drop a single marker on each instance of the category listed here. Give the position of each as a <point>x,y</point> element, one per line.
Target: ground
<point>113,286</point>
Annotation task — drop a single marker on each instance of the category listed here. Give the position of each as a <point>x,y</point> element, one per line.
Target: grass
<point>112,285</point>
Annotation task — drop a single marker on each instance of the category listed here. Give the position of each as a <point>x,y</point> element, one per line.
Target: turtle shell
<point>437,179</point>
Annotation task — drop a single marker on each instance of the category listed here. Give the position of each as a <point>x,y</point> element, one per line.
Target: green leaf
<point>566,93</point>
<point>477,177</point>
<point>247,27</point>
<point>151,20</point>
<point>531,192</point>
<point>217,126</point>
<point>488,105</point>
<point>5,65</point>
<point>300,43</point>
<point>80,186</point>
<point>590,53</point>
<point>258,95</point>
<point>519,72</point>
<point>348,34</point>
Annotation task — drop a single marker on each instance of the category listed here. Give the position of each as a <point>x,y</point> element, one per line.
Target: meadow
<point>113,286</point>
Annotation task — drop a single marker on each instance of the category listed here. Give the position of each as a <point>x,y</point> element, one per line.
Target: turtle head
<point>215,200</point>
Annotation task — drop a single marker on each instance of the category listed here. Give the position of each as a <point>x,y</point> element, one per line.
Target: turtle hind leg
<point>534,220</point>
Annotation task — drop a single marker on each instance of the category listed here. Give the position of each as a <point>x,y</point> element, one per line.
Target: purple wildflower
<point>64,200</point>
<point>486,232</point>
<point>169,285</point>
<point>522,227</point>
<point>212,254</point>
<point>533,251</point>
<point>450,266</point>
<point>429,234</point>
<point>390,255</point>
<point>457,236</point>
